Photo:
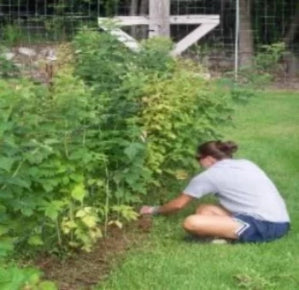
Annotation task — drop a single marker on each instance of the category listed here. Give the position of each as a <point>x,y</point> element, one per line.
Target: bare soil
<point>291,84</point>
<point>85,270</point>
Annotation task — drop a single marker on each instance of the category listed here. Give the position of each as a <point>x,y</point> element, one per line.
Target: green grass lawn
<point>267,130</point>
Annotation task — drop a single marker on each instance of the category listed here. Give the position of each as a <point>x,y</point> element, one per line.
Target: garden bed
<point>85,270</point>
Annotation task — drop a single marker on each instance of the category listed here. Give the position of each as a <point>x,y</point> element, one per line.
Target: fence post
<point>237,34</point>
<point>159,15</point>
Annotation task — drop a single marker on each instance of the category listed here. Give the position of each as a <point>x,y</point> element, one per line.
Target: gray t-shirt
<point>242,188</point>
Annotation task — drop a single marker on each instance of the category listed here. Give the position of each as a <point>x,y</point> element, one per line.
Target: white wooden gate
<point>159,21</point>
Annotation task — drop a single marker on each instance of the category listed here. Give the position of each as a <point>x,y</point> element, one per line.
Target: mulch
<point>84,270</point>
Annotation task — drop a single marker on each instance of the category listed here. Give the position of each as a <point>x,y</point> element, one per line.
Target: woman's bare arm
<point>170,207</point>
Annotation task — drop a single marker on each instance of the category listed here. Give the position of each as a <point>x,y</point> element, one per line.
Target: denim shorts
<point>256,231</point>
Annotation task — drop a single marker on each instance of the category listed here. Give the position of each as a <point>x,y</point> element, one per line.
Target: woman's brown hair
<point>217,149</point>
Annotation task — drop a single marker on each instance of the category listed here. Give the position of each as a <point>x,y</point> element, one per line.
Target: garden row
<point>113,128</point>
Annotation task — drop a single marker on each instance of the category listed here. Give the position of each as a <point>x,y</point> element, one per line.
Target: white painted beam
<point>122,36</point>
<point>174,19</point>
<point>194,19</point>
<point>192,37</point>
<point>132,20</point>
<point>206,22</point>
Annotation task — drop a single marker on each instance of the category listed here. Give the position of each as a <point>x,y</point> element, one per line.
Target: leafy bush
<point>112,127</point>
<point>13,277</point>
<point>46,157</point>
<point>7,68</point>
<point>269,56</point>
<point>156,106</point>
<point>176,114</point>
<point>266,64</point>
<point>12,34</point>
<point>53,164</point>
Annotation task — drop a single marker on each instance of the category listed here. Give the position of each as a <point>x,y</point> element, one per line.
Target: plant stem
<point>58,233</point>
<point>84,137</point>
<point>106,200</point>
<point>65,141</point>
<point>72,218</point>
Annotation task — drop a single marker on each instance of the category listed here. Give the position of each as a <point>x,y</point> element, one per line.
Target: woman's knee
<point>190,223</point>
<point>202,208</point>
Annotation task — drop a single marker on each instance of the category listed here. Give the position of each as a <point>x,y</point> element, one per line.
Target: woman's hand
<point>148,210</point>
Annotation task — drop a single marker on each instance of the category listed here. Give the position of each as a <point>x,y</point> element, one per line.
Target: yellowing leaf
<point>80,213</point>
<point>181,174</point>
<point>67,226</point>
<point>88,209</point>
<point>74,244</point>
<point>116,223</point>
<point>95,234</point>
<point>89,221</point>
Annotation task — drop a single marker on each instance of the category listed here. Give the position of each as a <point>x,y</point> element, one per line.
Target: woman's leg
<point>211,209</point>
<point>212,221</point>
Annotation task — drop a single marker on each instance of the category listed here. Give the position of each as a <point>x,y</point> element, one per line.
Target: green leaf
<point>35,240</point>
<point>47,285</point>
<point>34,277</point>
<point>6,163</point>
<point>79,192</point>
<point>5,277</point>
<point>2,207</point>
<point>23,183</point>
<point>6,246</point>
<point>53,208</point>
<point>133,150</point>
<point>3,230</point>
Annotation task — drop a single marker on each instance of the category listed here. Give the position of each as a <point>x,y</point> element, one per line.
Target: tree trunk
<point>144,7</point>
<point>292,65</point>
<point>222,15</point>
<point>144,11</point>
<point>290,36</point>
<point>246,36</point>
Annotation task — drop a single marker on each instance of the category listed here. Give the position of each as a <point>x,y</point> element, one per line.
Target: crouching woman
<point>250,207</point>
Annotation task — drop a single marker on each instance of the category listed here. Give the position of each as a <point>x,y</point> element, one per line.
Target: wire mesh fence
<point>27,21</point>
<point>269,21</point>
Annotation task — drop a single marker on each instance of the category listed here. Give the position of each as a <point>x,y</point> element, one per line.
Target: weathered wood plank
<point>194,19</point>
<point>131,20</point>
<point>192,37</point>
<point>122,36</point>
